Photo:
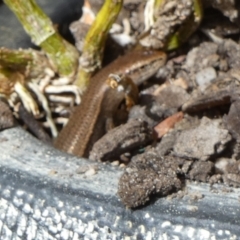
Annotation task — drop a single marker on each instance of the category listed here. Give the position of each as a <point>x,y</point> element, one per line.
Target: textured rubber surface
<point>43,196</point>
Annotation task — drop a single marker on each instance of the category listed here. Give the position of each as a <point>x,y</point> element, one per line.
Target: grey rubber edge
<point>44,197</point>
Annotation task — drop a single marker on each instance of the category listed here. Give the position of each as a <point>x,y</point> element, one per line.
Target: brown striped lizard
<point>87,123</point>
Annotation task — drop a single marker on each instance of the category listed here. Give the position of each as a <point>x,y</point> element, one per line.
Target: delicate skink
<point>87,123</point>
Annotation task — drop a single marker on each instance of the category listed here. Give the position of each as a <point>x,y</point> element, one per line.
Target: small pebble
<point>90,172</point>
<point>115,163</point>
<point>205,77</point>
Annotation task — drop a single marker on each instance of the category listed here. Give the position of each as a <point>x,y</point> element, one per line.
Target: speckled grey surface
<point>43,195</point>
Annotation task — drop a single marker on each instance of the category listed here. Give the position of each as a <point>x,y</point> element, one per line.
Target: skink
<point>87,122</point>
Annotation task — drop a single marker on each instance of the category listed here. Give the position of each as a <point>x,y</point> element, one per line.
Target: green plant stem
<point>95,41</point>
<point>63,56</point>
